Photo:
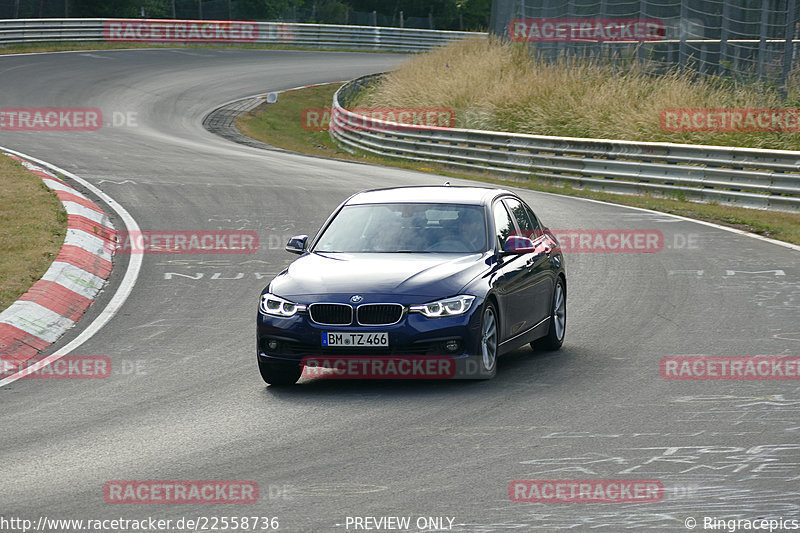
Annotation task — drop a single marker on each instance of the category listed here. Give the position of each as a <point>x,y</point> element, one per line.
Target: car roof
<point>432,193</point>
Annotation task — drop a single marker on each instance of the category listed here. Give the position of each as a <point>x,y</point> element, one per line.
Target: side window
<point>503,224</point>
<point>537,226</point>
<point>526,227</point>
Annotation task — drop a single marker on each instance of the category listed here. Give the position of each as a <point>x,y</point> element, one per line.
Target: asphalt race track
<point>185,401</point>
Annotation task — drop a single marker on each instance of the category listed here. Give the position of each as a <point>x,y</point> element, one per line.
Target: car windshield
<point>406,228</point>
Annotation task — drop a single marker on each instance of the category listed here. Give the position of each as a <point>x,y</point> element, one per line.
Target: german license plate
<point>370,339</point>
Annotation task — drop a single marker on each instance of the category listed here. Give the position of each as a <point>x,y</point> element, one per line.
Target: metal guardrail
<point>746,177</point>
<point>15,31</point>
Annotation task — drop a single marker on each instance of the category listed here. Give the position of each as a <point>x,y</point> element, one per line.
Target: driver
<point>471,229</point>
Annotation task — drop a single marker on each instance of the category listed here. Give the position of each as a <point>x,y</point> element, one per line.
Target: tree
<point>105,9</point>
<point>475,14</point>
<point>266,9</point>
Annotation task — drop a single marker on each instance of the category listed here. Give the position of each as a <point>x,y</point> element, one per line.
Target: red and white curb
<point>57,301</point>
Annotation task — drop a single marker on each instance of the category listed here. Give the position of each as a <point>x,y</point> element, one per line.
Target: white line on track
<point>123,291</point>
<point>788,245</point>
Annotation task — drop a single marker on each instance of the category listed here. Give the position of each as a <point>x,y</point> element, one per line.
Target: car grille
<point>379,314</point>
<point>331,314</point>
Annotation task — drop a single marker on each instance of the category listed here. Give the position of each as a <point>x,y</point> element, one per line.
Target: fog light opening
<point>272,344</point>
<point>452,345</point>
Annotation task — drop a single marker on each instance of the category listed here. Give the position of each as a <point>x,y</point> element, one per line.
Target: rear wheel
<point>279,373</point>
<point>490,333</point>
<point>558,321</point>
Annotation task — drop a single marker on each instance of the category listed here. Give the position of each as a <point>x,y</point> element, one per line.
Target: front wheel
<point>490,333</point>
<point>558,320</point>
<point>278,373</point>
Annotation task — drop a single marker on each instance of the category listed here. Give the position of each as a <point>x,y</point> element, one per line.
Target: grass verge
<point>497,85</point>
<point>281,125</point>
<point>33,224</point>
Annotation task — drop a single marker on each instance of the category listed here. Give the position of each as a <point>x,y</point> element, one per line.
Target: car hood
<point>427,275</point>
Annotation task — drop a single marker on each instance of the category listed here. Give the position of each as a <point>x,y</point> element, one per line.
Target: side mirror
<point>517,244</point>
<point>297,244</point>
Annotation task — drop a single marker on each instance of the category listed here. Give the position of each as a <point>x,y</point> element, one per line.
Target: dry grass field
<point>495,85</point>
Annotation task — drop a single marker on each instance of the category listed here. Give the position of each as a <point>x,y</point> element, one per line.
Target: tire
<point>558,321</point>
<point>279,374</point>
<point>490,336</point>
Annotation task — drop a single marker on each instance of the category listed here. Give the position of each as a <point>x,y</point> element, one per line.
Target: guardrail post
<point>604,9</point>
<point>762,42</point>
<point>788,45</point>
<point>723,37</point>
<point>684,30</point>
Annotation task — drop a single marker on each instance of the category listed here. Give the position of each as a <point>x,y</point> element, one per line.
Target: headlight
<point>457,305</point>
<point>276,306</point>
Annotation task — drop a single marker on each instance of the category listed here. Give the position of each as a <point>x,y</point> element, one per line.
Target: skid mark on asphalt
<point>117,182</point>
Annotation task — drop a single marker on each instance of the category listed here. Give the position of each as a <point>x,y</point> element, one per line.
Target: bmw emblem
<point>356,298</point>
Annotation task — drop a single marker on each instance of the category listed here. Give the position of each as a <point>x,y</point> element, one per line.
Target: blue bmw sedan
<point>412,275</point>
